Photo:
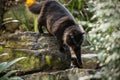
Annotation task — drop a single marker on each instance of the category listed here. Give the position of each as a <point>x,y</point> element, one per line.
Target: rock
<point>10,22</point>
<point>90,61</point>
<point>41,51</point>
<point>69,74</point>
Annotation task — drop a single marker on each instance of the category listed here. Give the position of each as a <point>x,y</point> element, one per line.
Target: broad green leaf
<point>2,65</point>
<point>11,63</point>
<point>10,73</point>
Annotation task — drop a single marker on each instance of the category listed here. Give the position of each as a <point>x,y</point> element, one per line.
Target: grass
<point>6,65</point>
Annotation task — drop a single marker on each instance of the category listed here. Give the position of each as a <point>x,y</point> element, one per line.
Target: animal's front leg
<point>40,23</point>
<point>77,51</point>
<point>40,28</point>
<point>67,52</point>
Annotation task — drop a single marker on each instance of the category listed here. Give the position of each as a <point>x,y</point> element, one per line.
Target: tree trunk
<point>2,11</point>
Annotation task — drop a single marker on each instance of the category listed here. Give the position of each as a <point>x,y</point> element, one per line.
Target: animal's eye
<point>69,40</point>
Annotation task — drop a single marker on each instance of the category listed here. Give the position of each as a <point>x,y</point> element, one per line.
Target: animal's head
<point>74,37</point>
<point>30,2</point>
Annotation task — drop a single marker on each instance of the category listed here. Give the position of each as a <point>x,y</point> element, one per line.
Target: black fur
<point>60,23</point>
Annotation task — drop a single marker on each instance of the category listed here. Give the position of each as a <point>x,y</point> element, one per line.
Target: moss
<point>1,48</point>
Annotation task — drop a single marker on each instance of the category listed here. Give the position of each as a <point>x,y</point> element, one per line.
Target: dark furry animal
<point>60,23</point>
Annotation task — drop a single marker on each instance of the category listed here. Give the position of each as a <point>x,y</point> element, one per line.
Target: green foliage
<point>5,65</point>
<point>75,4</point>
<point>1,48</point>
<point>48,60</point>
<point>35,24</point>
<point>75,7</point>
<point>20,13</point>
<point>105,35</point>
<point>81,10</point>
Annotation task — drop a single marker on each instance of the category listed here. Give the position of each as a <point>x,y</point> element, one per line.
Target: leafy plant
<point>105,37</point>
<point>5,65</point>
<point>35,24</point>
<point>75,7</point>
<point>22,17</point>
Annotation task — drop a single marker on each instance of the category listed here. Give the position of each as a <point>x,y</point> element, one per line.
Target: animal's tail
<point>33,6</point>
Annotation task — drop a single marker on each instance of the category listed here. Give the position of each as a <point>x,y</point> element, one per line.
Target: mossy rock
<point>41,51</point>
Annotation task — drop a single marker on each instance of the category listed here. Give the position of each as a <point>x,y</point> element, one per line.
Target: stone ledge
<point>41,51</point>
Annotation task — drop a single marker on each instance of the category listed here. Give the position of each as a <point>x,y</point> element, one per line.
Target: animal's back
<point>56,9</point>
<point>56,13</point>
